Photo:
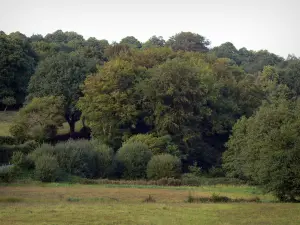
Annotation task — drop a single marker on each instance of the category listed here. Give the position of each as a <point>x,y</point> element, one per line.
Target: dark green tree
<point>188,41</point>
<point>62,75</point>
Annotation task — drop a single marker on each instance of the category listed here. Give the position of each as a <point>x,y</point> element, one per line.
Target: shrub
<point>27,147</point>
<point>19,160</point>
<point>6,151</point>
<point>44,149</point>
<point>164,165</point>
<point>46,168</point>
<point>104,158</point>
<point>77,158</point>
<point>195,169</point>
<point>134,158</point>
<point>216,172</point>
<point>7,140</point>
<point>157,145</point>
<point>7,173</point>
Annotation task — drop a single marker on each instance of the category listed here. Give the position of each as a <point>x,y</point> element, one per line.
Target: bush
<point>7,173</point>
<point>44,149</point>
<point>164,165</point>
<point>27,147</point>
<point>216,172</point>
<point>77,158</point>
<point>157,145</point>
<point>7,140</point>
<point>19,160</point>
<point>6,151</point>
<point>134,157</point>
<point>46,168</point>
<point>104,158</point>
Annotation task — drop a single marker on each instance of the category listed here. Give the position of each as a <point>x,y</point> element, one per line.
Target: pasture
<point>53,203</point>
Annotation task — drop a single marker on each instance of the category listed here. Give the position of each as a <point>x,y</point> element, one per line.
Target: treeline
<point>178,99</point>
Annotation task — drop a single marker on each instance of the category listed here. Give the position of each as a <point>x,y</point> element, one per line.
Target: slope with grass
<point>117,204</point>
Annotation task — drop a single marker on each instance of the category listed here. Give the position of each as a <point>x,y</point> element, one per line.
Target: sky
<point>256,24</point>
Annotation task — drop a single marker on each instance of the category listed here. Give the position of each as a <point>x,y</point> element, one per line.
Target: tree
<point>188,41</point>
<point>131,42</point>
<point>176,95</point>
<point>154,41</point>
<point>265,149</point>
<point>62,75</point>
<point>227,50</point>
<point>290,74</point>
<point>17,64</point>
<point>8,101</point>
<point>39,119</point>
<point>109,103</point>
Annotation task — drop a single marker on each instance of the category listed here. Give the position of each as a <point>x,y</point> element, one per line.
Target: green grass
<point>7,118</point>
<point>117,204</point>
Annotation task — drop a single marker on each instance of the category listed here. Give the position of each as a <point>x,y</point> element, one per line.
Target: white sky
<point>254,24</point>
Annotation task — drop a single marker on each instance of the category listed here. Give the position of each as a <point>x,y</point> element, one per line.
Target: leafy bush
<point>157,145</point>
<point>216,172</point>
<point>77,158</point>
<point>104,158</point>
<point>44,149</point>
<point>7,140</point>
<point>46,168</point>
<point>195,169</point>
<point>19,160</point>
<point>7,173</point>
<point>39,119</point>
<point>134,158</point>
<point>264,148</point>
<point>6,151</point>
<point>164,165</point>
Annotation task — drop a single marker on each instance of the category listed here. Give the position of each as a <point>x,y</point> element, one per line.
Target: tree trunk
<point>72,126</point>
<point>83,121</point>
<point>5,109</point>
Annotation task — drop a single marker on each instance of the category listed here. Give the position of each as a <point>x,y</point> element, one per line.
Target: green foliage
<point>39,119</point>
<point>157,145</point>
<point>7,140</point>
<point>7,173</point>
<point>177,95</point>
<point>264,148</point>
<point>131,42</point>
<point>188,41</point>
<point>8,101</point>
<point>109,102</point>
<point>134,158</point>
<point>61,75</point>
<point>46,168</point>
<point>104,158</point>
<point>77,158</point>
<point>164,165</point>
<point>195,170</point>
<point>7,151</point>
<point>17,63</point>
<point>154,42</point>
<point>19,160</point>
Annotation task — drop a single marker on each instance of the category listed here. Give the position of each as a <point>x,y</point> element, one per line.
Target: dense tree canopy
<point>17,64</point>
<point>62,75</point>
<point>177,97</point>
<point>188,41</point>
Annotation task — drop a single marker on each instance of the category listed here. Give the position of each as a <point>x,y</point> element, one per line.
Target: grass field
<point>119,204</point>
<point>7,118</point>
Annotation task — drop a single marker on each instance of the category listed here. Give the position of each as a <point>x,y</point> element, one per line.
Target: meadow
<point>59,203</point>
